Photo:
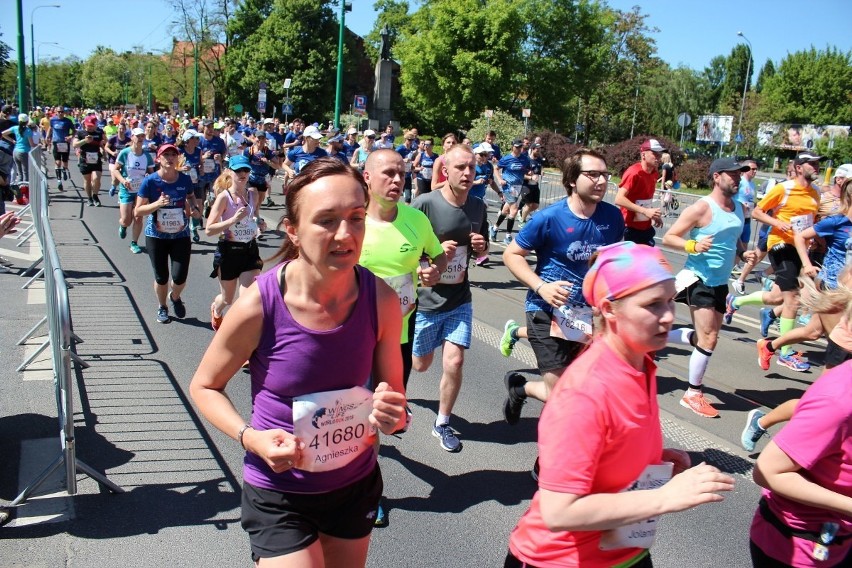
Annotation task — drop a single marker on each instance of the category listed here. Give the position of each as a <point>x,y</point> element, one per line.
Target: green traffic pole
<point>22,79</point>
<point>339,93</point>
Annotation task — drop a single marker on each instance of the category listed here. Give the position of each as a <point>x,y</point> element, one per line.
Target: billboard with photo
<point>797,136</point>
<point>714,128</point>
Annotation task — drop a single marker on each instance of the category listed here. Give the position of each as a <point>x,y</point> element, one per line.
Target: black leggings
<point>161,250</point>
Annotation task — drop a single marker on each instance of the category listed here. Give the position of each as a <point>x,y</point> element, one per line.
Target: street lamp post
<point>745,87</point>
<point>32,49</point>
<point>150,79</point>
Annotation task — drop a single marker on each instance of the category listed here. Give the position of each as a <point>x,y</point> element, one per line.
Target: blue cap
<point>338,138</point>
<point>238,163</point>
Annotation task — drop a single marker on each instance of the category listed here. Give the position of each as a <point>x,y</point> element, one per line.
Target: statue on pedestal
<point>385,49</point>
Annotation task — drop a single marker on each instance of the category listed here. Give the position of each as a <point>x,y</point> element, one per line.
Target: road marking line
<point>51,503</point>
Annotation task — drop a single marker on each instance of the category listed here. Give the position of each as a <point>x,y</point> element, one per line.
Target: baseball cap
<point>268,121</point>
<point>352,130</point>
<point>162,149</point>
<point>517,142</point>
<point>651,144</point>
<point>109,121</point>
<point>805,157</point>
<point>23,117</point>
<point>91,119</point>
<point>622,269</point>
<point>338,138</point>
<point>260,133</point>
<point>137,131</point>
<point>369,133</point>
<point>844,171</point>
<point>484,148</point>
<point>535,146</point>
<point>190,133</point>
<point>238,162</point>
<point>727,165</point>
<point>207,122</point>
<point>312,132</point>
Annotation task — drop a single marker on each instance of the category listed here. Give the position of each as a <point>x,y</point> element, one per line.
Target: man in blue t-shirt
<point>213,151</point>
<point>60,134</point>
<point>563,237</point>
<point>301,156</point>
<point>407,150</point>
<point>511,172</point>
<point>294,137</point>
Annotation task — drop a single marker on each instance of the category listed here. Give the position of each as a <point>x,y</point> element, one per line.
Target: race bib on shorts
<point>193,175</point>
<point>245,230</point>
<point>92,157</point>
<point>61,147</point>
<point>801,222</point>
<point>512,190</point>
<point>209,165</point>
<point>456,267</point>
<point>573,323</point>
<point>403,285</point>
<point>134,186</point>
<point>170,220</point>
<point>641,534</point>
<point>642,203</point>
<point>426,173</point>
<point>334,427</point>
<point>684,279</point>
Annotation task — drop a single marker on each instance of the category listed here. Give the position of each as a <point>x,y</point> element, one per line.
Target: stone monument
<point>386,70</point>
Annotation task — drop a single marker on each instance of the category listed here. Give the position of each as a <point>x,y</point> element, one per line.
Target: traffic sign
<point>262,86</point>
<point>525,112</point>
<point>360,105</point>
<point>261,106</point>
<point>261,96</point>
<point>286,109</point>
<point>739,138</point>
<point>489,113</point>
<point>683,120</point>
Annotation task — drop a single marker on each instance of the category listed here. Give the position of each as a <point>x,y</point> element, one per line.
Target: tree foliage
<point>457,59</point>
<point>394,14</point>
<point>812,86</point>
<point>504,124</point>
<point>767,71</point>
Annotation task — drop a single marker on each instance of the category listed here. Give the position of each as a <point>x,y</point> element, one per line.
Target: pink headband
<point>622,269</point>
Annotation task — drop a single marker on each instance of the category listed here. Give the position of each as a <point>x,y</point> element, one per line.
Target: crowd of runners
<point>372,277</point>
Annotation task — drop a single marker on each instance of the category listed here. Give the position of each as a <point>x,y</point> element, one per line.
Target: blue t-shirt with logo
<point>427,162</point>
<point>349,149</point>
<point>563,244</point>
<point>837,232</point>
<point>300,158</point>
<point>513,168</point>
<point>151,189</point>
<point>215,146</point>
<point>193,160</point>
<point>483,171</point>
<point>62,128</point>
<point>745,195</point>
<point>259,169</point>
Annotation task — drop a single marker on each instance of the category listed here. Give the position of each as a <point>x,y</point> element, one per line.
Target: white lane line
<point>50,504</point>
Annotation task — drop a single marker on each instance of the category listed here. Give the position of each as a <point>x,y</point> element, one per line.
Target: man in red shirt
<point>636,195</point>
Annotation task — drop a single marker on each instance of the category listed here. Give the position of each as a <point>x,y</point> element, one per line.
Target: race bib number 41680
<point>334,427</point>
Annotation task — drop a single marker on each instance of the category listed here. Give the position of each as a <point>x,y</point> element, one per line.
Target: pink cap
<point>622,269</point>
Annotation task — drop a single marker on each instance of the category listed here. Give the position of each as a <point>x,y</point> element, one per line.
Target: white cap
<point>190,133</point>
<point>844,171</point>
<point>483,148</point>
<point>312,132</point>
<point>369,132</point>
<point>352,130</point>
<point>137,131</point>
<point>268,121</point>
<point>23,118</point>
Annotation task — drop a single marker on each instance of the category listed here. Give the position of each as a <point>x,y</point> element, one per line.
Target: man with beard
<point>712,226</point>
<point>636,195</point>
<point>795,203</point>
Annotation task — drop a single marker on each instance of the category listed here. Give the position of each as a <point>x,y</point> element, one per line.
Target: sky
<point>691,32</point>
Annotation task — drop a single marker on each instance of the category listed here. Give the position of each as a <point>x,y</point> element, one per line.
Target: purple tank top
<point>291,360</point>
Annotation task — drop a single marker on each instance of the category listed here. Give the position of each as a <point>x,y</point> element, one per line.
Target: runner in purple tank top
<point>322,338</point>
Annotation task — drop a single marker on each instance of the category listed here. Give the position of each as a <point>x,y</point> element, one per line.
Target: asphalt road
<point>181,507</point>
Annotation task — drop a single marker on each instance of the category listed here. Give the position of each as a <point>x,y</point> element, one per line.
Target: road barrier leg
<point>30,333</point>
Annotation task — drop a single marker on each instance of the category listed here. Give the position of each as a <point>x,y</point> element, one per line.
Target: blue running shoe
<point>793,362</point>
<point>449,440</point>
<point>752,431</point>
<point>730,308</point>
<point>767,316</point>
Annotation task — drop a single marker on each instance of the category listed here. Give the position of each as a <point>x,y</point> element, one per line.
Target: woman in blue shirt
<point>22,136</point>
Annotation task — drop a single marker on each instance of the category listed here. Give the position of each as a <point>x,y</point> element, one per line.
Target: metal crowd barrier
<point>60,339</point>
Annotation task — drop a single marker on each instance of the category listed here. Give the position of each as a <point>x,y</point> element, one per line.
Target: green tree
<point>736,65</point>
<point>297,39</point>
<point>59,81</point>
<point>565,53</point>
<point>714,74</point>
<point>504,124</point>
<point>100,78</point>
<point>812,86</point>
<point>767,71</point>
<point>459,57</point>
<point>668,93</point>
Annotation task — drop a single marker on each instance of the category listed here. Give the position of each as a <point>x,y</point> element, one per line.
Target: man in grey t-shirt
<point>445,314</point>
